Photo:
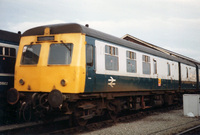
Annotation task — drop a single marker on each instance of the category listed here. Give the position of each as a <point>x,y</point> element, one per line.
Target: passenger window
<point>60,54</point>
<point>187,73</point>
<point>6,51</point>
<point>1,50</point>
<point>146,64</point>
<point>12,52</point>
<point>89,55</point>
<point>155,66</point>
<point>199,75</point>
<point>111,58</point>
<point>169,71</point>
<point>131,62</point>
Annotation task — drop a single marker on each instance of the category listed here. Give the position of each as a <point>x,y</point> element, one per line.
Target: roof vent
<point>87,25</point>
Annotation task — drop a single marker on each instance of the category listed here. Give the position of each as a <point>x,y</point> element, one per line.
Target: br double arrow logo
<point>111,82</point>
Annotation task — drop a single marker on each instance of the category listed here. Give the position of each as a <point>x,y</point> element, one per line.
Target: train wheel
<point>43,101</point>
<point>112,111</point>
<point>112,115</point>
<point>26,111</point>
<point>78,114</point>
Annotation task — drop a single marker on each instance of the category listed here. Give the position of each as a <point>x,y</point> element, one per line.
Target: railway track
<point>91,126</point>
<point>38,127</point>
<point>63,125</point>
<point>185,132</point>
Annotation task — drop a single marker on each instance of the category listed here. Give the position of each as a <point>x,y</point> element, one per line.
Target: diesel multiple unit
<point>81,72</point>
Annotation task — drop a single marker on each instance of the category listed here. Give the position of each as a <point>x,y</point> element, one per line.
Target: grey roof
<point>9,37</point>
<point>77,28</point>
<point>159,48</point>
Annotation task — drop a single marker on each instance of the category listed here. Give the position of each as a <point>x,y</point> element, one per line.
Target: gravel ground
<point>167,123</point>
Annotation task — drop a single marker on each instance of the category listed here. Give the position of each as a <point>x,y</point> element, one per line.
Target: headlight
<point>21,81</point>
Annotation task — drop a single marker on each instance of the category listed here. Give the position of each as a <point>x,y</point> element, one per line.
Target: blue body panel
<point>104,83</point>
<point>188,85</point>
<point>100,82</point>
<point>8,40</point>
<point>111,83</point>
<point>90,70</point>
<point>6,82</point>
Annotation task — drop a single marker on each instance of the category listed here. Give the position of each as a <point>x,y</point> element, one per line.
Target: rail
<point>192,130</point>
<point>14,128</point>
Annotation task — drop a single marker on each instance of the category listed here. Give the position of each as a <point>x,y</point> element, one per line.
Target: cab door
<point>90,69</point>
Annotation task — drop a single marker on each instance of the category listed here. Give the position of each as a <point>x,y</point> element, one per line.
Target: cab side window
<point>89,55</point>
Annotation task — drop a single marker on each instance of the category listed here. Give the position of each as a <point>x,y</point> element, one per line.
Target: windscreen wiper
<point>65,45</point>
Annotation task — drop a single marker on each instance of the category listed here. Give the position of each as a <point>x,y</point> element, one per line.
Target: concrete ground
<point>166,123</point>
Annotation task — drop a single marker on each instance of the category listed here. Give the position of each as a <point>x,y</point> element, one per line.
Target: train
<point>80,72</point>
<point>9,43</point>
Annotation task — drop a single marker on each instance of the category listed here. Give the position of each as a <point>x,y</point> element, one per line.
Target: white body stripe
<point>2,74</point>
<point>10,46</point>
<point>162,68</point>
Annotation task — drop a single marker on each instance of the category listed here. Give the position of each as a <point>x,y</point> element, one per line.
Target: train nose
<point>12,96</point>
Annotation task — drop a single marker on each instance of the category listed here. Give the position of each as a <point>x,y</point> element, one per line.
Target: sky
<point>171,24</point>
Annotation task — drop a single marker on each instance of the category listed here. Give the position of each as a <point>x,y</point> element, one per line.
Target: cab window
<point>60,54</point>
<point>30,55</point>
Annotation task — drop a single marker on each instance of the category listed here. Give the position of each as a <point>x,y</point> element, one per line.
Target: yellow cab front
<point>50,62</point>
